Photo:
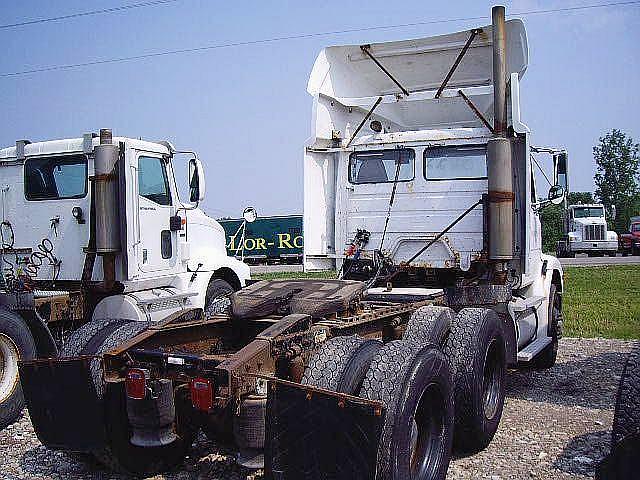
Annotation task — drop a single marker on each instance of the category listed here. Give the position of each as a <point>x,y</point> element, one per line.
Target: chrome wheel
<point>9,357</point>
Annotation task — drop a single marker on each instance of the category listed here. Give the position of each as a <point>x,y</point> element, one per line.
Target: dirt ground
<point>556,424</point>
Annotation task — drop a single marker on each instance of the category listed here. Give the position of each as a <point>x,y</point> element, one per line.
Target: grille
<point>594,232</point>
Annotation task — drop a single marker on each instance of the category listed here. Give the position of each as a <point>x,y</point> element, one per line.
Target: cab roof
<point>71,145</point>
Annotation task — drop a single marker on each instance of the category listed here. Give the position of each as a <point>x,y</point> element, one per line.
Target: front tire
<point>476,351</point>
<point>16,344</point>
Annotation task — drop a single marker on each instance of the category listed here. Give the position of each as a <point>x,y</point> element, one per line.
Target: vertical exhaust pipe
<point>499,167</point>
<point>106,206</point>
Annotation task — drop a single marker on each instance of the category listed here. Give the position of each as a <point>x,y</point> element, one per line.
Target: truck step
<point>531,350</point>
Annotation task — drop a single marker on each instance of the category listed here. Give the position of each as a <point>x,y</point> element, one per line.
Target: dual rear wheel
<point>442,385</point>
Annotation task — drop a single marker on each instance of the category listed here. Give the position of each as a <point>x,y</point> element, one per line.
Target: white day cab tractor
<point>586,231</point>
<point>67,202</point>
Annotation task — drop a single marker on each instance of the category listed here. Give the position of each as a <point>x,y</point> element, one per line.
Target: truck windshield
<point>379,166</point>
<point>635,227</point>
<point>588,212</point>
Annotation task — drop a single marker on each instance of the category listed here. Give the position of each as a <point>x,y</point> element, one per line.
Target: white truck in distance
<point>586,232</point>
<point>66,202</point>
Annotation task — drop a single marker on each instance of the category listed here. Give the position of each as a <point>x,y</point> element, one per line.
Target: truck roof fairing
<point>344,72</point>
<point>346,82</point>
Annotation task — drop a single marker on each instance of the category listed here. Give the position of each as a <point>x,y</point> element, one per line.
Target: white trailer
<point>586,232</point>
<point>66,202</point>
<point>407,182</point>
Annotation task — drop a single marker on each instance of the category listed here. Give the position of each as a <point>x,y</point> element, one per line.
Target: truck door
<point>158,244</point>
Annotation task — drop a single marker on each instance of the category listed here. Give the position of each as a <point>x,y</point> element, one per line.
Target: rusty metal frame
<point>476,111</point>
<point>365,49</point>
<point>310,389</point>
<point>453,68</point>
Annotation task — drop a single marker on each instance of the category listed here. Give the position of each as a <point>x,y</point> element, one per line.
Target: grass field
<point>602,301</point>
<point>598,301</point>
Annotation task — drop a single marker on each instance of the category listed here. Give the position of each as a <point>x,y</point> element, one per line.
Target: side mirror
<point>196,181</point>
<point>556,194</point>
<point>250,214</point>
<point>560,169</point>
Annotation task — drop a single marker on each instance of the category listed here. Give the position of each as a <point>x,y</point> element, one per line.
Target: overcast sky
<point>245,109</point>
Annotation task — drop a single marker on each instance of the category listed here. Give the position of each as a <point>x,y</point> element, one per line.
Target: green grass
<point>277,275</point>
<point>598,301</point>
<point>602,301</point>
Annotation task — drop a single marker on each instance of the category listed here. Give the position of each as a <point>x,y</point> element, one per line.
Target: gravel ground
<point>556,424</point>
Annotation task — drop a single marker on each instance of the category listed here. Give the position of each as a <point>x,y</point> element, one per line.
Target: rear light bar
<point>136,383</point>
<point>202,394</point>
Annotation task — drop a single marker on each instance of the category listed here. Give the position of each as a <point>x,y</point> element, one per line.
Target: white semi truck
<point>586,232</point>
<point>66,202</point>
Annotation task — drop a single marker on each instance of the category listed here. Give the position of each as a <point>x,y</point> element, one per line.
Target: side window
<point>455,163</point>
<point>379,166</point>
<point>152,180</point>
<point>53,178</point>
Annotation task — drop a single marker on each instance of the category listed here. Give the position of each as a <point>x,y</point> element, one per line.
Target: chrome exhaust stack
<point>499,158</point>
<point>107,220</point>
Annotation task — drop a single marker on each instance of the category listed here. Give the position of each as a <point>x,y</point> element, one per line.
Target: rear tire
<point>476,352</point>
<point>217,298</point>
<point>16,343</point>
<point>79,339</point>
<point>119,454</point>
<point>415,386</point>
<point>340,364</point>
<point>430,324</point>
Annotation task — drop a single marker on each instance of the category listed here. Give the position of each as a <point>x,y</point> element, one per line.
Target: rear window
<point>379,166</point>
<point>54,178</point>
<point>455,163</point>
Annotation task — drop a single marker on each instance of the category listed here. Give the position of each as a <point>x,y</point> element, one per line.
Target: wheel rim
<point>9,357</point>
<point>492,379</point>
<point>427,433</point>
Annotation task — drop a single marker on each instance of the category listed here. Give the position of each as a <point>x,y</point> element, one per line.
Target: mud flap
<point>64,408</point>
<point>320,436</point>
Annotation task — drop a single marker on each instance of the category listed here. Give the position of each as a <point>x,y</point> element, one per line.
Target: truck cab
<point>630,241</point>
<point>405,182</point>
<point>93,228</point>
<point>586,227</point>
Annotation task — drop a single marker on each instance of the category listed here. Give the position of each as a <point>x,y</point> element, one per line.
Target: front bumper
<point>594,246</point>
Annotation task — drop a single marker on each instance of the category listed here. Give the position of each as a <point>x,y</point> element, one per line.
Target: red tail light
<point>136,384</point>
<point>202,394</point>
